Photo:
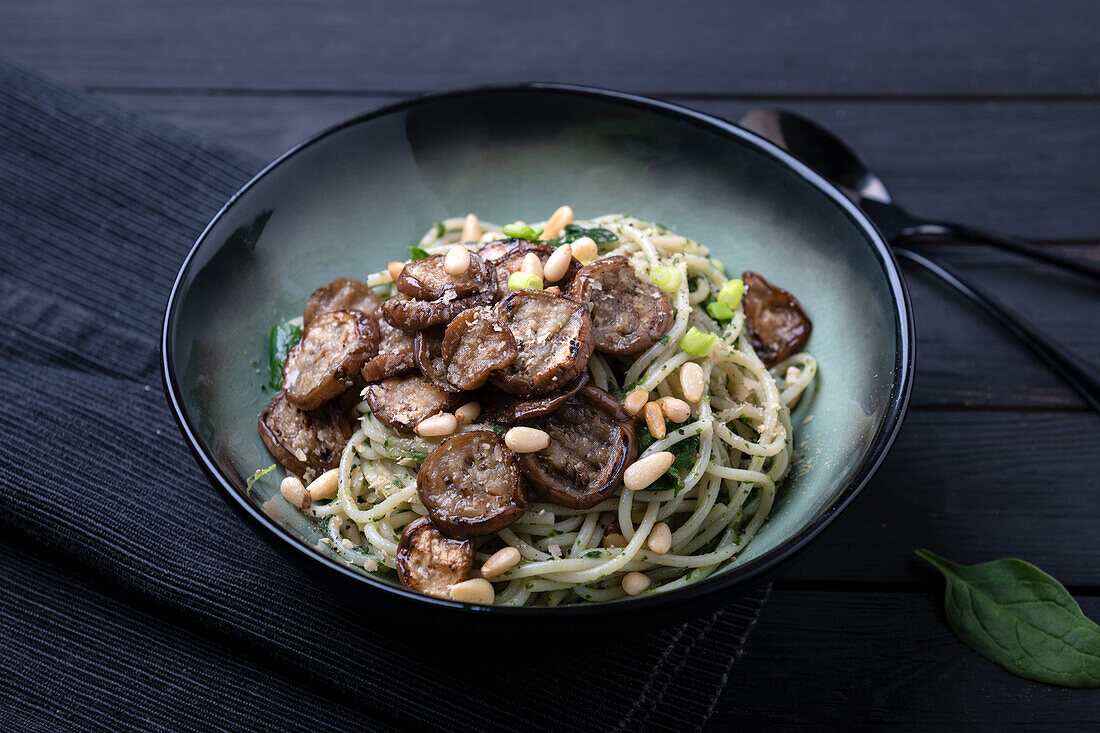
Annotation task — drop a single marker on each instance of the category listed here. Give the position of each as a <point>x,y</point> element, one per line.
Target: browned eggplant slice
<point>343,292</point>
<point>430,563</point>
<point>512,262</point>
<point>427,280</point>
<point>328,358</point>
<point>305,443</point>
<point>396,353</point>
<point>402,402</point>
<point>476,344</point>
<point>554,336</point>
<point>503,408</point>
<point>412,314</point>
<point>777,324</point>
<point>592,441</point>
<point>429,358</point>
<point>471,486</point>
<point>496,249</point>
<point>628,314</point>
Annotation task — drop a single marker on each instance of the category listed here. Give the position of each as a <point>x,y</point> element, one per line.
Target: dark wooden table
<point>982,112</point>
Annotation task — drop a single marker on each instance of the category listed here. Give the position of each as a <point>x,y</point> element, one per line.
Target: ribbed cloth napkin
<point>130,596</point>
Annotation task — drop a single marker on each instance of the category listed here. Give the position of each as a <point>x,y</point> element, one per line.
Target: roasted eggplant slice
<point>471,486</point>
<point>503,408</point>
<point>396,353</point>
<point>628,314</point>
<point>427,280</point>
<point>402,402</point>
<point>592,441</point>
<point>553,334</point>
<point>413,314</point>
<point>327,360</point>
<point>343,292</point>
<point>429,358</point>
<point>430,563</point>
<point>512,261</point>
<point>305,443</point>
<point>476,344</point>
<point>777,324</point>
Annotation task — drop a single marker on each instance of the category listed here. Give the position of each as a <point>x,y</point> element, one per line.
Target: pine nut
<point>500,562</point>
<point>675,409</point>
<point>295,492</point>
<point>468,413</point>
<point>615,539</point>
<point>692,381</point>
<point>471,228</point>
<point>532,264</point>
<point>325,485</point>
<point>527,440</point>
<point>437,426</point>
<point>557,264</point>
<point>474,590</point>
<point>660,538</point>
<point>635,583</point>
<point>655,420</point>
<point>395,268</point>
<point>457,260</point>
<point>635,401</point>
<point>584,249</point>
<point>641,474</point>
<point>556,223</point>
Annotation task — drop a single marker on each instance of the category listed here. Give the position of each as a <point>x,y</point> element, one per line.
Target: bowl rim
<point>724,582</point>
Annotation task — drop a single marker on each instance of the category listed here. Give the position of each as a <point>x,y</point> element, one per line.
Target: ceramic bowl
<point>355,196</point>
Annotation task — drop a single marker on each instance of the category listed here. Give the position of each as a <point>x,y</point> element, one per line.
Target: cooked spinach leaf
<point>1014,614</point>
<point>573,232</point>
<point>283,338</point>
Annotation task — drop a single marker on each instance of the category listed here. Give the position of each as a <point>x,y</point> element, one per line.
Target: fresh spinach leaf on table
<point>1014,614</point>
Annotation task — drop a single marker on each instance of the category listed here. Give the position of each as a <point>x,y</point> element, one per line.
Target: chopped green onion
<point>521,232</point>
<point>719,310</point>
<point>666,278</point>
<point>718,264</point>
<point>418,254</point>
<point>524,281</point>
<point>698,343</point>
<point>731,292</point>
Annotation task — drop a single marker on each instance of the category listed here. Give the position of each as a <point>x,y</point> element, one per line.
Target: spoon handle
<point>924,230</point>
<point>1074,370</point>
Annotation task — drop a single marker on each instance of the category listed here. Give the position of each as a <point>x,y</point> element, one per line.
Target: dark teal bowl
<point>355,196</point>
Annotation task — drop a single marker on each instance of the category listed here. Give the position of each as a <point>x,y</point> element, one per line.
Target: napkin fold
<point>132,598</point>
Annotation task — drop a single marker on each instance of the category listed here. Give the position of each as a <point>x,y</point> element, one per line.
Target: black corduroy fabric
<point>133,597</point>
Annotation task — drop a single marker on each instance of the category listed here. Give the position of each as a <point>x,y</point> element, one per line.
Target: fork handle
<point>925,230</point>
<point>1075,371</point>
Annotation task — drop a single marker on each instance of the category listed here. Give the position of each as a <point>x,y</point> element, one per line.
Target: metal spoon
<point>830,157</point>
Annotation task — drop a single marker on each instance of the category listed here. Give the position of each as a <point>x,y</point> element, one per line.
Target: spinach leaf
<point>573,232</point>
<point>1014,614</point>
<point>284,337</point>
<point>417,253</point>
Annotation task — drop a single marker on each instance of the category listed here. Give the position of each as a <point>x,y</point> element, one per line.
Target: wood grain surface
<point>984,112</point>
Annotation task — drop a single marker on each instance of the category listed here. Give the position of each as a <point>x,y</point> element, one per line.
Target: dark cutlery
<point>829,156</point>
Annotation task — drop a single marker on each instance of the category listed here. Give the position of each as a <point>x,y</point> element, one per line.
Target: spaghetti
<point>732,453</point>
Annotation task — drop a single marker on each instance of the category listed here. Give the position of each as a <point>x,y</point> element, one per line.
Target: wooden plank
<point>1025,168</point>
<point>971,486</point>
<point>966,358</point>
<point>940,47</point>
<point>858,661</point>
